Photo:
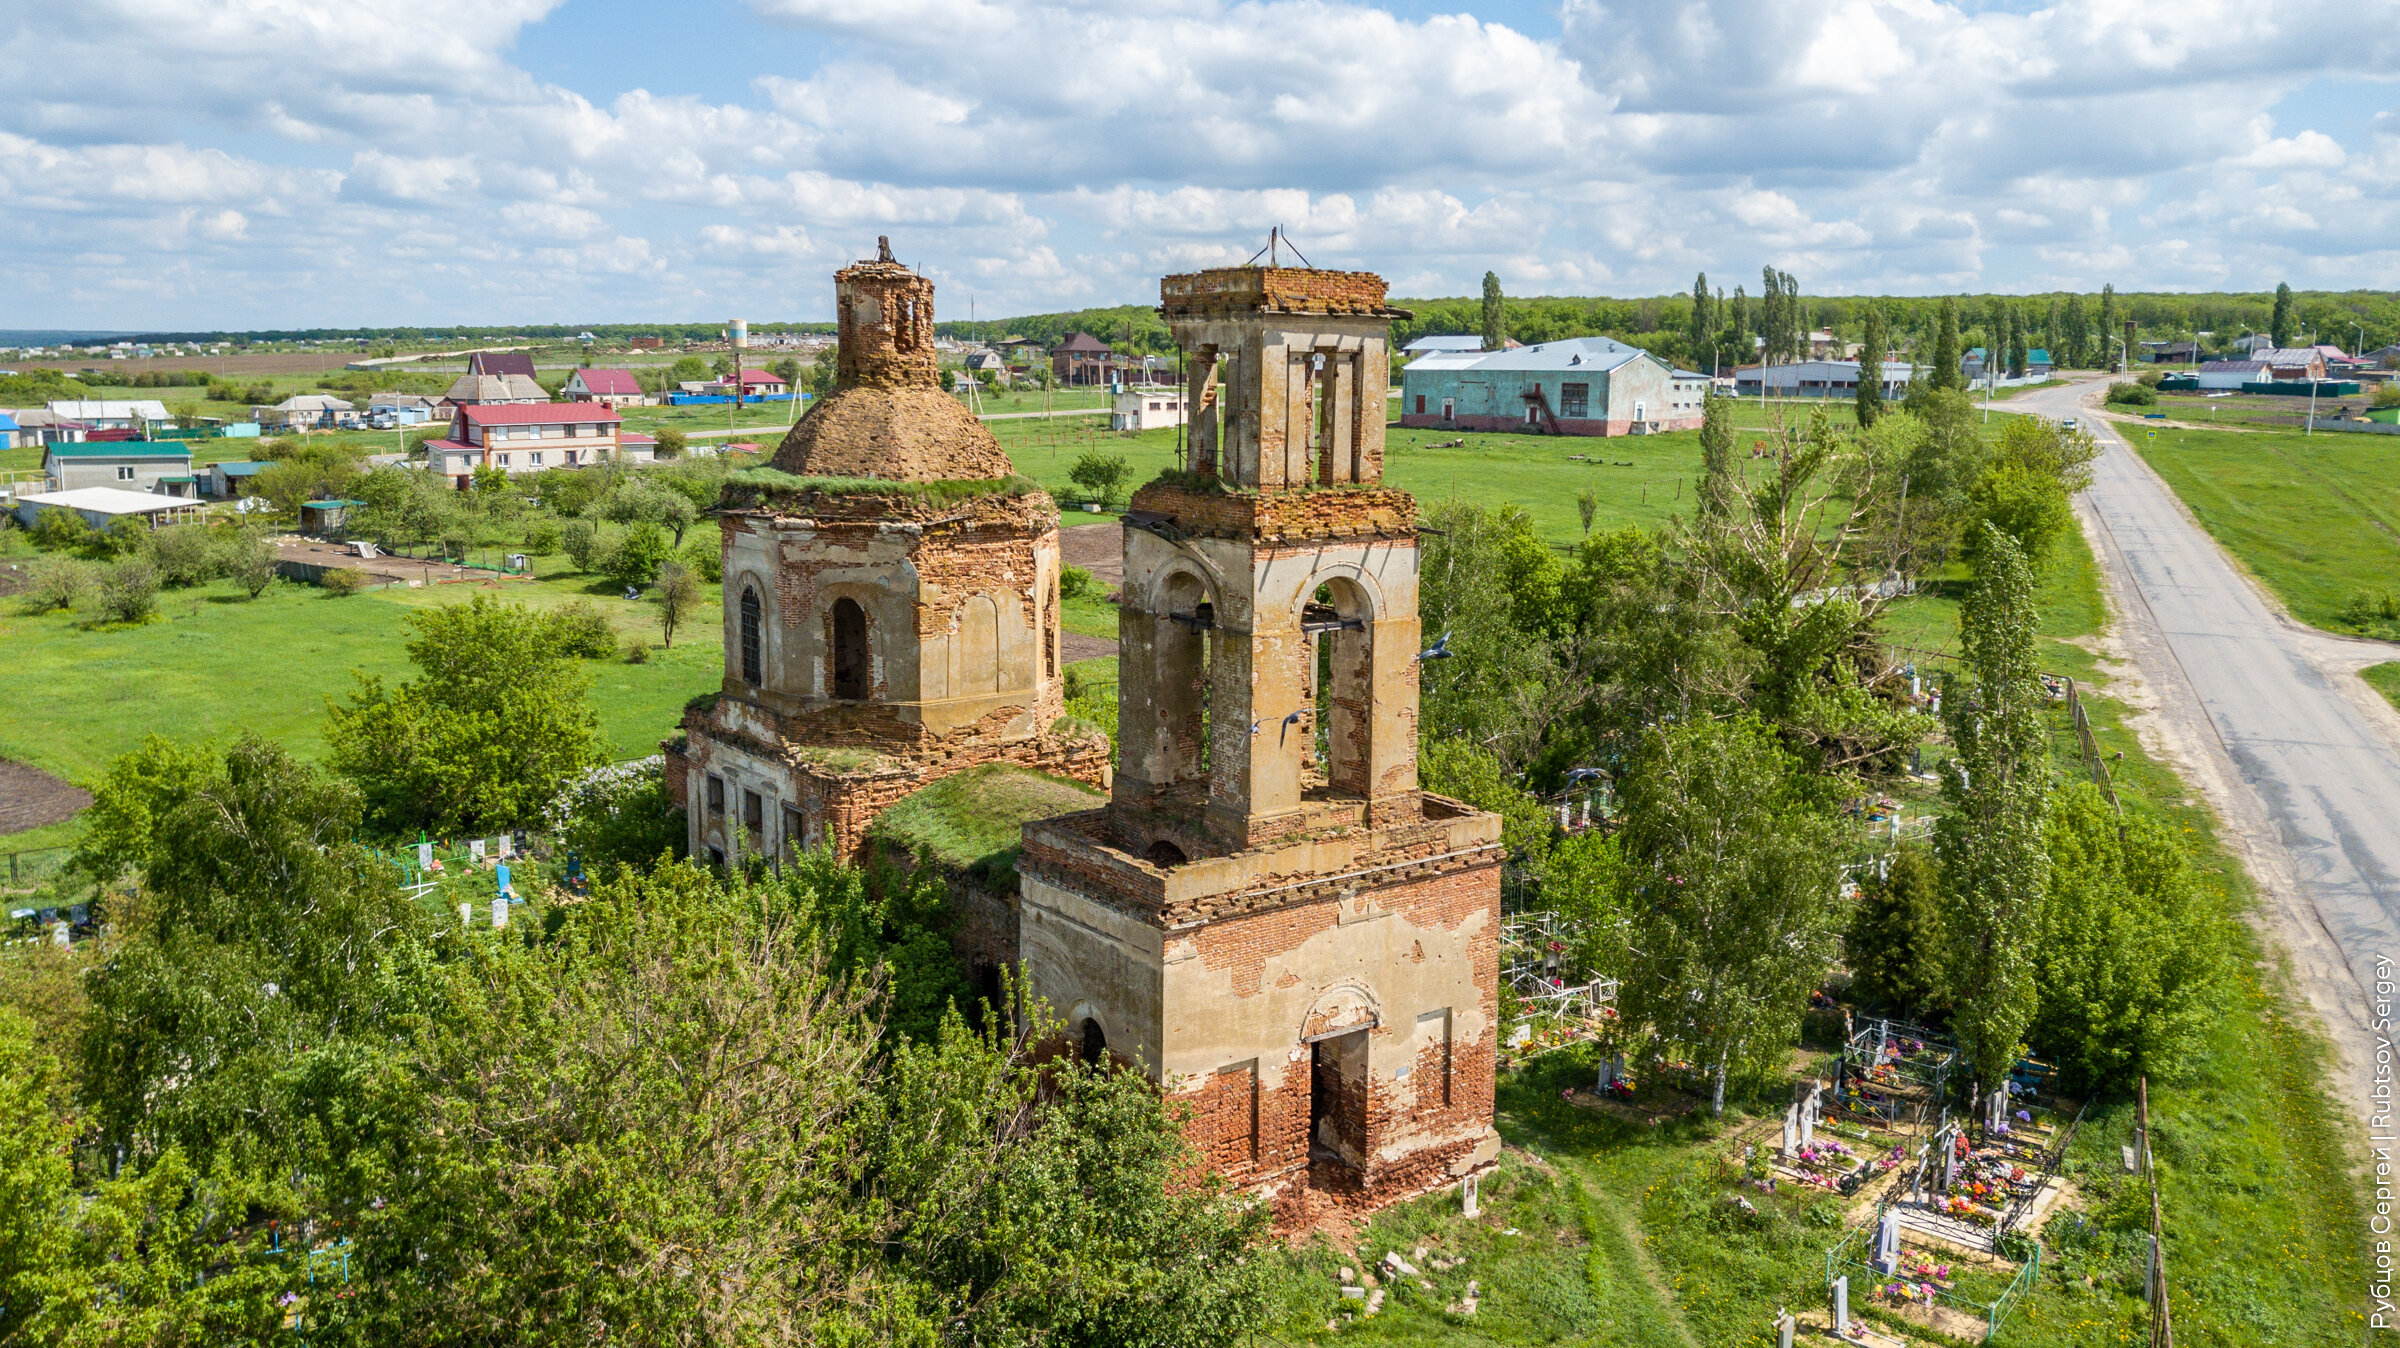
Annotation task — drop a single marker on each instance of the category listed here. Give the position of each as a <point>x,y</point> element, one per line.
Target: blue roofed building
<point>226,481</point>
<point>1580,386</point>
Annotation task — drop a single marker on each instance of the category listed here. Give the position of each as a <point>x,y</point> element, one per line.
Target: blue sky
<point>250,163</point>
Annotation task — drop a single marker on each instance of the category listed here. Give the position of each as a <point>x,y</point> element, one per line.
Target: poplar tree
<point>2074,336</point>
<point>1946,372</point>
<point>1495,318</point>
<point>2016,344</point>
<point>2284,324</point>
<point>2108,325</point>
<point>1795,319</point>
<point>1697,327</point>
<point>1771,323</point>
<point>1871,348</point>
<point>1717,485</point>
<point>1995,865</point>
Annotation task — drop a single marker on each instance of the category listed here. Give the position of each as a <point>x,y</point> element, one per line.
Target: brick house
<point>523,438</point>
<point>1083,360</point>
<point>1580,386</point>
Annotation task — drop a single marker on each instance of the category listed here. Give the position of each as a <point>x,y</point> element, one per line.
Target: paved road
<point>2312,757</point>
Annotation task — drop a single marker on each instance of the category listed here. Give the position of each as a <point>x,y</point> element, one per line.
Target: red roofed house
<point>758,382</point>
<point>609,388</point>
<point>523,438</point>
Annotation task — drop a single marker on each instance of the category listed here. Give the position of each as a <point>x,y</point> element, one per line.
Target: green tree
<point>1894,945</point>
<point>2074,339</point>
<point>2132,954</point>
<point>256,954</point>
<point>1994,866</point>
<point>1587,507</point>
<point>2109,334</point>
<point>670,442</point>
<point>248,560</point>
<point>637,554</point>
<point>678,595</point>
<point>1720,481</point>
<point>1947,372</point>
<point>2013,338</point>
<point>1736,892</point>
<point>497,720</point>
<point>1874,343</point>
<point>580,540</point>
<point>646,501</point>
<point>787,370</point>
<point>1698,326</point>
<point>855,1187</point>
<point>2285,325</point>
<point>1495,315</point>
<point>1101,475</point>
<point>129,590</point>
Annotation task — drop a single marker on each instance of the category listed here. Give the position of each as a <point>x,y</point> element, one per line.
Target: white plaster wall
<point>1079,952</point>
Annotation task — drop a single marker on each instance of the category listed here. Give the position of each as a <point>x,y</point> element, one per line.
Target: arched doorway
<point>849,650</point>
<point>1094,1046</point>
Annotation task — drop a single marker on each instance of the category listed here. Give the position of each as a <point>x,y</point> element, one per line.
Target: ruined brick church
<point>891,605</point>
<point>1268,916</point>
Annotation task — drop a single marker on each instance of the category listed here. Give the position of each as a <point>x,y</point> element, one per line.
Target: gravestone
<point>1808,1126</point>
<point>1999,1109</point>
<point>1841,1305</point>
<point>475,849</point>
<point>424,856</point>
<point>500,881</point>
<point>1791,1131</point>
<point>499,911</point>
<point>1785,1328</point>
<point>466,915</point>
<point>58,933</point>
<point>1887,1242</point>
<point>1468,1206</point>
<point>508,845</point>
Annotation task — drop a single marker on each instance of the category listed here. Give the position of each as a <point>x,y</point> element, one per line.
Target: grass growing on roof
<point>972,819</point>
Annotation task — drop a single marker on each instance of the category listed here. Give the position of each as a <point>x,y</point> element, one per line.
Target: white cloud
<point>248,161</point>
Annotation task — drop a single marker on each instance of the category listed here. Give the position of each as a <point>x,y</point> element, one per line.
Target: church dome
<point>887,416</point>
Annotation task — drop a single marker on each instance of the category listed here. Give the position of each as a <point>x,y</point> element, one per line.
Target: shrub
<point>619,816</point>
<point>2132,395</point>
<point>249,561</point>
<point>542,539</point>
<point>580,540</point>
<point>2387,393</point>
<point>2150,379</point>
<point>670,443</point>
<point>578,629</point>
<point>635,559</point>
<point>1101,475</point>
<point>184,554</point>
<point>129,590</point>
<point>57,582</point>
<point>60,529</point>
<point>1074,582</point>
<point>342,580</point>
<point>706,561</point>
<point>637,651</point>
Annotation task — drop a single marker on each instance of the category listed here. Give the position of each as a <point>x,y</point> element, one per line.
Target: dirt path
<point>30,798</point>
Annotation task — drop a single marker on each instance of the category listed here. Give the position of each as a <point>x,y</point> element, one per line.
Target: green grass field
<point>214,664</point>
<point>2317,518</point>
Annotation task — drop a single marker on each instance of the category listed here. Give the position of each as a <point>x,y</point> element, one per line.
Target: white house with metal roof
<point>127,465</point>
<point>1580,386</point>
<point>112,414</point>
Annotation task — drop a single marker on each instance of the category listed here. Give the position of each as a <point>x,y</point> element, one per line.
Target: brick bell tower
<point>1270,916</point>
<point>891,604</point>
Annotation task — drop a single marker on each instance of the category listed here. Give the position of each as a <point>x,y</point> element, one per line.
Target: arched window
<point>849,650</point>
<point>750,635</point>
